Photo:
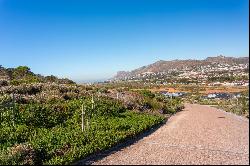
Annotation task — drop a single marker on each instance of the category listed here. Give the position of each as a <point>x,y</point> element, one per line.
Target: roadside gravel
<point>197,135</point>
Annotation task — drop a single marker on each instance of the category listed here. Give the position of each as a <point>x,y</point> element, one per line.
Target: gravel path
<point>197,135</point>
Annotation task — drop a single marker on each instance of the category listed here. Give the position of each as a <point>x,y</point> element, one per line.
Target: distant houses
<point>215,95</point>
<point>222,95</point>
<point>173,94</point>
<point>234,83</point>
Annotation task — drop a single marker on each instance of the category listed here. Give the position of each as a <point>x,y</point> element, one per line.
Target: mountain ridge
<point>166,66</point>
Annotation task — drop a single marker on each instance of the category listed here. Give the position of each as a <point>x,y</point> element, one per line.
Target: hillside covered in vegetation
<point>23,74</point>
<point>46,120</point>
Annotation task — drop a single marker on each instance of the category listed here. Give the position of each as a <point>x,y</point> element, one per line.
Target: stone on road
<point>197,135</point>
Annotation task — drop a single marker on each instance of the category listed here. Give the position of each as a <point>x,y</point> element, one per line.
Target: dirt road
<point>197,135</point>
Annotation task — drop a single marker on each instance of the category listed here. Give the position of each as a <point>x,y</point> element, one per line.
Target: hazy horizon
<point>96,80</point>
<point>92,40</point>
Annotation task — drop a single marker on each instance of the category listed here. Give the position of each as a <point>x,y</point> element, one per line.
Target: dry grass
<point>203,89</point>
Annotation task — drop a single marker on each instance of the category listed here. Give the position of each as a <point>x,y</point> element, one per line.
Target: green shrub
<point>51,133</point>
<point>147,93</point>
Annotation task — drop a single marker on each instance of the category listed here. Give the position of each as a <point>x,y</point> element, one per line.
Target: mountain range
<point>166,66</point>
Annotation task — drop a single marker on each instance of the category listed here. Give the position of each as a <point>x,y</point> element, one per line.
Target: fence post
<point>13,103</point>
<point>92,102</point>
<point>87,118</point>
<point>1,115</point>
<point>92,109</point>
<point>83,112</point>
<point>99,94</point>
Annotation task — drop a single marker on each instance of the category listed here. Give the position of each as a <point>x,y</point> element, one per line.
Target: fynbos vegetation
<point>46,120</point>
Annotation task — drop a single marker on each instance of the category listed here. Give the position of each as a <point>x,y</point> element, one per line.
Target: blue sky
<point>93,39</point>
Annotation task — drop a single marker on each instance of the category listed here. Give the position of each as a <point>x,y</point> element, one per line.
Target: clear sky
<point>93,39</point>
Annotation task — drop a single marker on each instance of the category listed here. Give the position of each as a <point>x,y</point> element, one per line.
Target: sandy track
<point>197,135</point>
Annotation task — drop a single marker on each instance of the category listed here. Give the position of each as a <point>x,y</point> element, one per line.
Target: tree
<point>65,81</point>
<point>51,78</point>
<point>21,71</point>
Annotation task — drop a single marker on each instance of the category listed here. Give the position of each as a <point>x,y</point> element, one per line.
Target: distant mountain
<point>228,60</point>
<point>166,66</point>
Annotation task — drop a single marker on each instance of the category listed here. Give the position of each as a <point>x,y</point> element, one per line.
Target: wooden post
<point>1,113</point>
<point>92,109</point>
<point>13,99</point>
<point>171,101</point>
<point>92,102</point>
<point>87,122</point>
<point>83,112</point>
<point>13,103</point>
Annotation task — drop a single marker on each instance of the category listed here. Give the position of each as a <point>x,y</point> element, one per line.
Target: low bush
<point>51,133</point>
